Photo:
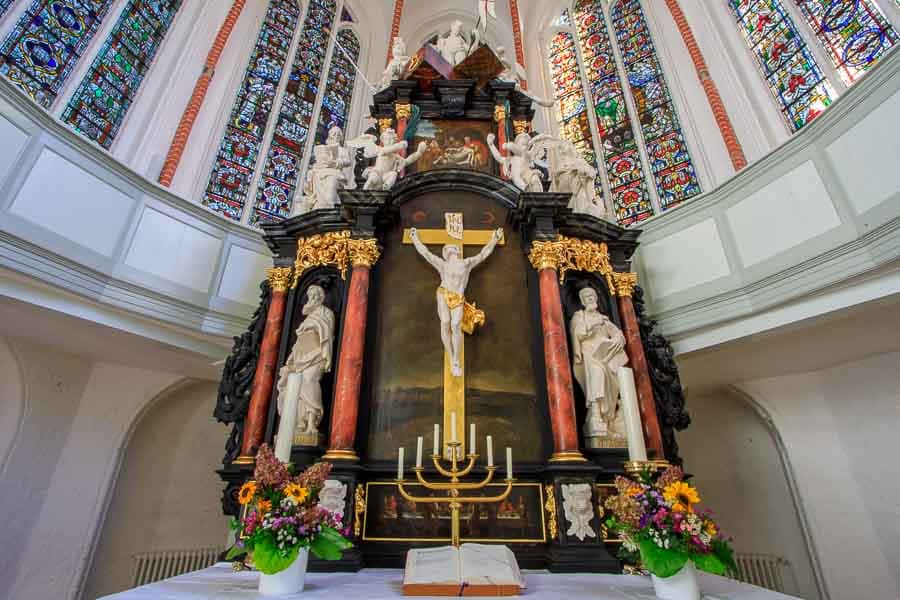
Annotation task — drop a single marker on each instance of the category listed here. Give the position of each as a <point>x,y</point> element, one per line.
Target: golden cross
<point>454,387</point>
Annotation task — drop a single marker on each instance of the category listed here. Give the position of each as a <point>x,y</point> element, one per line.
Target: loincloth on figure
<point>472,316</point>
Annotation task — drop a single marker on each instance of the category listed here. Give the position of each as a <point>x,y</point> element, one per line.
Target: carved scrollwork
<point>565,254</point>
<point>279,278</point>
<point>359,509</point>
<point>402,111</point>
<point>550,507</point>
<point>335,248</point>
<point>499,113</point>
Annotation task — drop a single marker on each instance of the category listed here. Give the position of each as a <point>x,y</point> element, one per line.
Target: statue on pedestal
<point>518,166</point>
<point>299,392</point>
<point>395,68</point>
<point>389,160</point>
<point>326,175</point>
<point>598,350</point>
<point>453,46</point>
<point>451,294</point>
<point>571,173</point>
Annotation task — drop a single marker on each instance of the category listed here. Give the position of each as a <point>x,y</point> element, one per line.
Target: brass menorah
<point>455,486</point>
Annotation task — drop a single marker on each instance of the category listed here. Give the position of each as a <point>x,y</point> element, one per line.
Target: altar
<point>219,582</point>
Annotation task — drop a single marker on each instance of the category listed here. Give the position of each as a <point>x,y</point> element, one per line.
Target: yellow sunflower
<point>264,506</point>
<point>248,490</point>
<point>296,493</point>
<point>681,496</point>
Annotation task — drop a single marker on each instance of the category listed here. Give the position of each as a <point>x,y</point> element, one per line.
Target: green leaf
<point>325,548</point>
<point>336,538</point>
<point>725,554</point>
<point>709,563</point>
<point>661,562</point>
<point>268,560</point>
<point>235,551</point>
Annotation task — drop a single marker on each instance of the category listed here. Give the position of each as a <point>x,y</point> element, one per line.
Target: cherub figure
<point>519,164</point>
<point>389,160</point>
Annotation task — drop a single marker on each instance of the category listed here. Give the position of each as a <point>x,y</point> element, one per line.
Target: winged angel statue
<point>389,159</point>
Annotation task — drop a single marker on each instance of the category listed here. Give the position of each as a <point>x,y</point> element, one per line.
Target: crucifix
<point>456,315</point>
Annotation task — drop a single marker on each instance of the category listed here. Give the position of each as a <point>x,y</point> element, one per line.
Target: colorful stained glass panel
<point>339,85</point>
<point>98,106</point>
<point>4,4</point>
<point>855,33</point>
<point>234,165</point>
<point>43,48</point>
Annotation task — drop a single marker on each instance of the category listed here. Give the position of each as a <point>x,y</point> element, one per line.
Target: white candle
<point>419,444</point>
<point>634,432</point>
<point>490,446</point>
<point>453,426</point>
<point>472,438</point>
<point>400,464</point>
<point>509,463</point>
<point>437,440</point>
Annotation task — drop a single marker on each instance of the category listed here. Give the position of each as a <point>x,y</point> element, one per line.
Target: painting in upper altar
<point>453,145</point>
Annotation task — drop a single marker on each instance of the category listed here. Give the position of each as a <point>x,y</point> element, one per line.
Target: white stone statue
<point>519,164</point>
<point>453,45</point>
<point>397,66</point>
<point>578,509</point>
<point>598,350</point>
<point>513,72</point>
<point>333,496</point>
<point>571,173</point>
<point>389,160</point>
<point>451,294</point>
<point>299,392</point>
<point>326,176</point>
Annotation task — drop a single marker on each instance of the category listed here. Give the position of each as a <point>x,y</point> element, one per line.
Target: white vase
<point>288,581</point>
<point>680,586</point>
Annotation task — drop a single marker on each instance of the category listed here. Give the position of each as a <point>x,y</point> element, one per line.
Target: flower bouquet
<point>657,519</point>
<point>283,522</point>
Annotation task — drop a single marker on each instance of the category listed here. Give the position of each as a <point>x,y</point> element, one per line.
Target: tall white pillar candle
<point>285,438</point>
<point>419,443</point>
<point>472,438</point>
<point>453,426</point>
<point>637,451</point>
<point>509,463</point>
<point>490,446</point>
<point>437,440</point>
<point>400,464</point>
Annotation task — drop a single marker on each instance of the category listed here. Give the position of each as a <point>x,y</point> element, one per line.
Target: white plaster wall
<point>12,401</point>
<point>739,475</point>
<point>167,496</point>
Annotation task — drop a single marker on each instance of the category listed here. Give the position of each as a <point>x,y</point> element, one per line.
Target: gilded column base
<point>244,460</point>
<point>569,456</point>
<point>341,455</point>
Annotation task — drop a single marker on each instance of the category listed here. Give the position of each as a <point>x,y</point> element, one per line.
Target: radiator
<point>156,566</point>
<point>763,570</point>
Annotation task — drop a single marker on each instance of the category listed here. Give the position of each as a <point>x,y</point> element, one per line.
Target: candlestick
<point>419,443</point>
<point>453,426</point>
<point>490,446</point>
<point>400,464</point>
<point>634,432</point>
<point>509,463</point>
<point>437,440</point>
<point>472,438</point>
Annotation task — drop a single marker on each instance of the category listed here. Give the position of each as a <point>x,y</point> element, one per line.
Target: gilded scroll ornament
<point>279,278</point>
<point>359,509</point>
<point>363,253</point>
<point>499,113</point>
<point>550,507</point>
<point>334,248</point>
<point>625,283</point>
<point>565,254</point>
<point>403,111</point>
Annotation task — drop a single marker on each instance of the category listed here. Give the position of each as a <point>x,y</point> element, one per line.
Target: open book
<point>470,570</point>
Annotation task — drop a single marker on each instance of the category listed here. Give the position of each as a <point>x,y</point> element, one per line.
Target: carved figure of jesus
<point>451,294</point>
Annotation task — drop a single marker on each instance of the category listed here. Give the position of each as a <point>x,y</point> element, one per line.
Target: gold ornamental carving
<point>625,283</point>
<point>333,248</point>
<point>499,113</point>
<point>550,507</point>
<point>520,127</point>
<point>385,123</point>
<point>279,278</point>
<point>402,111</point>
<point>573,254</point>
<point>359,509</point>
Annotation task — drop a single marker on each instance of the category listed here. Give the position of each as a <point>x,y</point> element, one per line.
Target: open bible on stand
<point>470,570</point>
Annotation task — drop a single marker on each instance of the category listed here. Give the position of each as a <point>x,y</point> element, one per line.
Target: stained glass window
<point>670,162</point>
<point>104,96</point>
<point>236,160</point>
<point>339,86</point>
<point>618,147</point>
<point>44,46</point>
<point>4,4</point>
<point>855,33</point>
<point>790,70</point>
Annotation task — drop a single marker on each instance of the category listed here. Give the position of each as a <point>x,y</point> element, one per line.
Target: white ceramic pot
<point>680,586</point>
<point>289,581</point>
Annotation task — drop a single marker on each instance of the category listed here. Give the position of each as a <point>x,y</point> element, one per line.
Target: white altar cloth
<point>219,582</point>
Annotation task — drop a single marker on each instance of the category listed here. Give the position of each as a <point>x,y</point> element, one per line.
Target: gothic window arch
<point>615,106</point>
<point>266,144</point>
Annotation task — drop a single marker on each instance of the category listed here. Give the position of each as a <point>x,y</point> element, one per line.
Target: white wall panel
<point>680,261</point>
<point>867,156</point>
<point>174,250</point>
<point>12,140</point>
<point>244,269</point>
<point>787,212</point>
<point>64,198</point>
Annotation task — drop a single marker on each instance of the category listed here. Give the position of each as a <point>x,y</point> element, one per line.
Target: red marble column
<point>500,119</point>
<point>560,394</point>
<point>264,378</point>
<point>517,36</point>
<point>625,283</point>
<point>395,28</point>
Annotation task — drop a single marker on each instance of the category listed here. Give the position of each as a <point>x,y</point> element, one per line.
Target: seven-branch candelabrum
<point>454,486</point>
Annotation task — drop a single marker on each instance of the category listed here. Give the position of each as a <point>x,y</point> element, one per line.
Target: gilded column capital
<point>573,254</point>
<point>402,111</point>
<point>546,255</point>
<point>279,278</point>
<point>385,123</point>
<point>520,127</point>
<point>363,252</point>
<point>499,113</point>
<point>625,283</point>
